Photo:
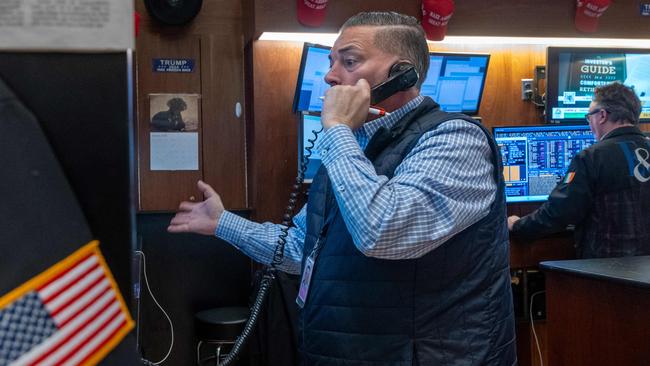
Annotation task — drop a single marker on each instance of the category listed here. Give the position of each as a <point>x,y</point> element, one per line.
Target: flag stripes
<point>83,302</point>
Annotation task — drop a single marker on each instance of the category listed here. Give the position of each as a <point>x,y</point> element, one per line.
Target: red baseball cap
<point>435,17</point>
<point>311,12</point>
<point>588,12</point>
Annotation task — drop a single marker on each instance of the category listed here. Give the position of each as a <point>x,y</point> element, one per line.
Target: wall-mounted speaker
<point>173,12</point>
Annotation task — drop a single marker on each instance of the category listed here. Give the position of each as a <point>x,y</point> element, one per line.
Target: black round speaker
<point>173,12</point>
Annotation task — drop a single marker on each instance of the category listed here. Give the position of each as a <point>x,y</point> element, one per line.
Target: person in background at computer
<point>405,228</point>
<point>606,190</point>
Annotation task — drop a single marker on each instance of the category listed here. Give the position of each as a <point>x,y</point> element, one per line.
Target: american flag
<point>71,314</point>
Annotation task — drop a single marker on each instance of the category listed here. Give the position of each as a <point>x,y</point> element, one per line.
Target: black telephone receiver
<point>401,76</point>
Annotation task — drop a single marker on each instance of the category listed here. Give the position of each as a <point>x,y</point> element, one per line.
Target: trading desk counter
<point>598,311</point>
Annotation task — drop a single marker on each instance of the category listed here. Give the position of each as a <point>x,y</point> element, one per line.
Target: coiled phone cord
<point>278,254</point>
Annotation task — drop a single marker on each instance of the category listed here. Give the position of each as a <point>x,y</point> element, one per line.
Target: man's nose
<point>332,77</point>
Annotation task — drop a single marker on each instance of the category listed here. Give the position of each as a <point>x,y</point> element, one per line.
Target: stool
<point>219,327</point>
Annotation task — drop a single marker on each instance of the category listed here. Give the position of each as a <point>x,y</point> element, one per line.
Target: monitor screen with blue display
<point>311,84</point>
<point>573,73</point>
<point>456,81</point>
<point>309,123</point>
<point>535,158</point>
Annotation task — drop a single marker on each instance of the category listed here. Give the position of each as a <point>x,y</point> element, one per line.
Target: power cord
<point>171,325</point>
<point>278,254</point>
<point>532,326</point>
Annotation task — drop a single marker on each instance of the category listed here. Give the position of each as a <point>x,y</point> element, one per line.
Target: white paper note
<point>174,150</point>
<point>66,25</point>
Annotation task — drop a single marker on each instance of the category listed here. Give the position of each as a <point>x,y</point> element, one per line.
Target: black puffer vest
<point>452,306</point>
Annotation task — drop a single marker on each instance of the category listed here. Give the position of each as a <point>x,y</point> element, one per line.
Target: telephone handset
<point>402,76</point>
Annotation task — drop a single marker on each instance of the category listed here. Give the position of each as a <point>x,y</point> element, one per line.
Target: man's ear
<point>605,119</point>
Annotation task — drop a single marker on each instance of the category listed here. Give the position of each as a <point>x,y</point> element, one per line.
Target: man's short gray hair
<point>620,102</point>
<point>401,35</point>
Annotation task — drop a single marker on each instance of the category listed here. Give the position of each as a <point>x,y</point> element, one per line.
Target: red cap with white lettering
<point>311,12</point>
<point>435,16</point>
<point>588,12</point>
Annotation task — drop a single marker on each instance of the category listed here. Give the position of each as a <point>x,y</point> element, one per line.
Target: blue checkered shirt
<point>444,185</point>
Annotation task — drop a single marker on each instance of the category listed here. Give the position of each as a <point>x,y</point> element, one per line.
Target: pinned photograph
<point>174,112</point>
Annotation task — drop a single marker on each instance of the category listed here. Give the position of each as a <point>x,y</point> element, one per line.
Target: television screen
<point>456,81</point>
<point>574,73</point>
<point>311,78</point>
<point>535,158</point>
<point>309,124</point>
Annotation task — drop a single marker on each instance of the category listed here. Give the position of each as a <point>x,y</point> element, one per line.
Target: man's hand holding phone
<point>346,104</point>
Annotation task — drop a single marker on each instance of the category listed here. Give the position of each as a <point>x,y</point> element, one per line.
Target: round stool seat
<point>220,324</point>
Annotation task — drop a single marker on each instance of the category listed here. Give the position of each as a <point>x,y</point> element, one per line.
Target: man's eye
<point>350,62</point>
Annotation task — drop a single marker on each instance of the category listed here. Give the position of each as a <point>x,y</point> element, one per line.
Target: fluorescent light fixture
<point>327,39</point>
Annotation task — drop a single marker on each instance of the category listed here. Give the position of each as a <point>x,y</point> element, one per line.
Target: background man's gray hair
<point>401,35</point>
<point>620,102</point>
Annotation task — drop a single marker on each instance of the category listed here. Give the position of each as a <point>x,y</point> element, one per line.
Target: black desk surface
<point>628,270</point>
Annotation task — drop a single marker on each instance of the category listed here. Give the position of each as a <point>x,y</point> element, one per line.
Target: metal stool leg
<point>198,353</point>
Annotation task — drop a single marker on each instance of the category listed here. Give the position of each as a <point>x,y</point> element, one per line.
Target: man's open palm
<point>200,217</point>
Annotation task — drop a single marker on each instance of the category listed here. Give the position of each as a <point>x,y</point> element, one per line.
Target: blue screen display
<point>310,123</point>
<point>311,80</point>
<point>535,158</point>
<point>455,81</point>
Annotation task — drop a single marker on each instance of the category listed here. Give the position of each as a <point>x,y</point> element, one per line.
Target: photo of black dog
<point>171,119</point>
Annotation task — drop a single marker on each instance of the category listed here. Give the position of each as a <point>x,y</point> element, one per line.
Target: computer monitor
<point>535,158</point>
<point>311,78</point>
<point>308,124</point>
<point>456,81</point>
<point>574,73</point>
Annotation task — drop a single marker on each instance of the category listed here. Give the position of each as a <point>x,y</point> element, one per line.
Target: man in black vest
<point>403,244</point>
<point>606,190</point>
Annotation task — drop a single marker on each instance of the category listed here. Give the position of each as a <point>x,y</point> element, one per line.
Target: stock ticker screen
<point>535,158</point>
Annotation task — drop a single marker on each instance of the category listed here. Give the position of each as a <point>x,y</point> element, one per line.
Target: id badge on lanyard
<point>305,280</point>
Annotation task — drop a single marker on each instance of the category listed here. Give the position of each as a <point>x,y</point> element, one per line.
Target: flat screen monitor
<point>535,158</point>
<point>311,84</point>
<point>574,73</point>
<point>308,124</point>
<point>456,81</point>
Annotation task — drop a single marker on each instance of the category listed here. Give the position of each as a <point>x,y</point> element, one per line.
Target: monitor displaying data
<point>456,81</point>
<point>574,73</point>
<point>311,85</point>
<point>309,124</point>
<point>535,158</point>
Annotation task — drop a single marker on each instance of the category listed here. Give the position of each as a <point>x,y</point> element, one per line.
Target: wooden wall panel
<point>162,190</point>
<point>214,39</point>
<point>520,18</point>
<point>273,147</point>
<point>224,133</point>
